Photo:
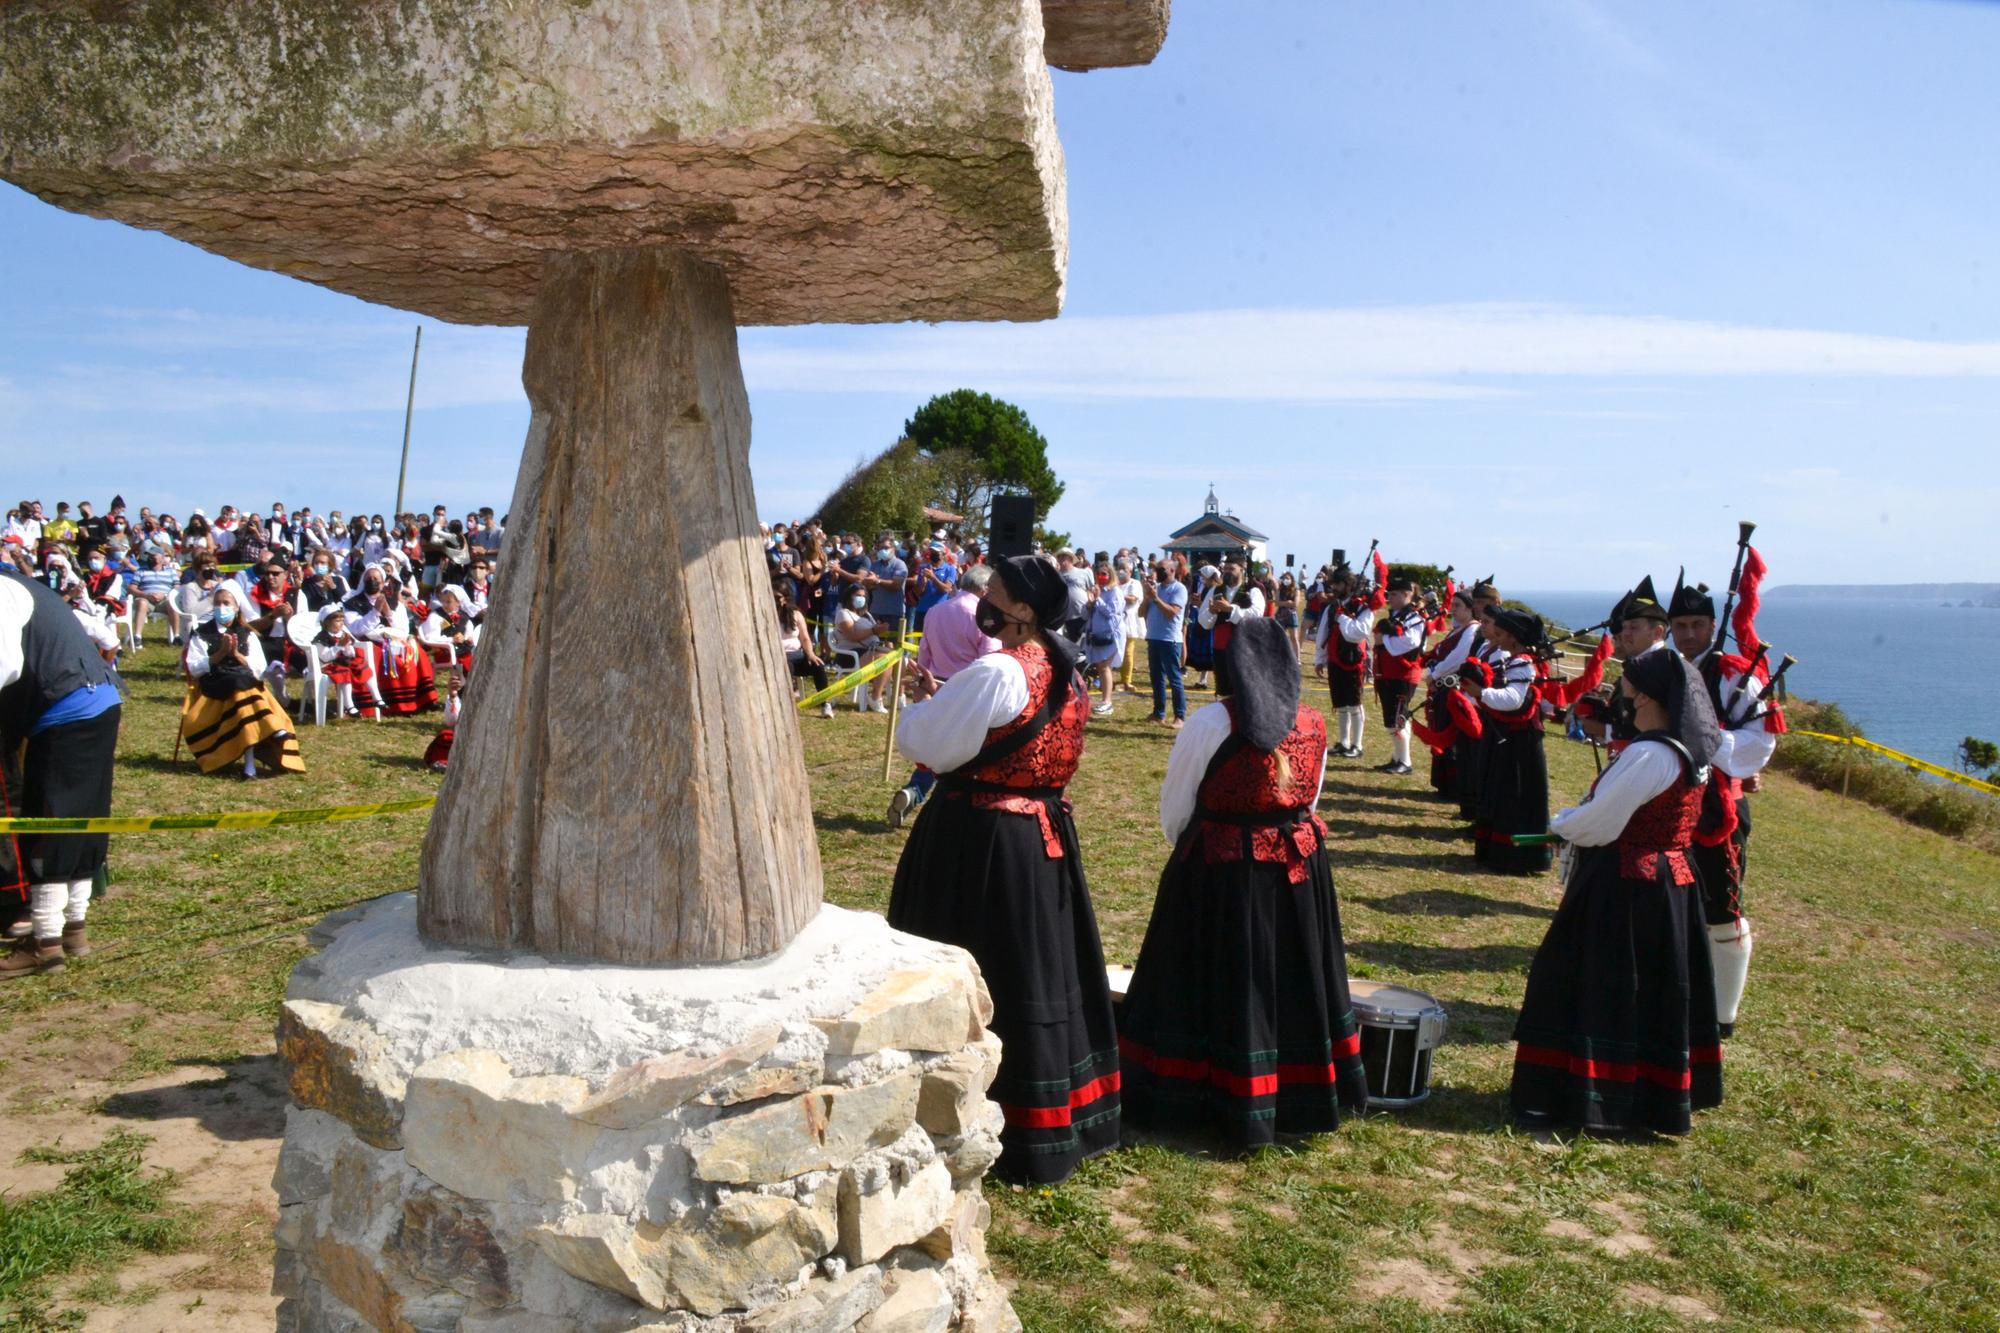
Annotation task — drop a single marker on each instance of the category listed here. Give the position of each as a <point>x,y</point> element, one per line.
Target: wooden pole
<point>409,409</point>
<point>625,784</point>
<point>895,700</point>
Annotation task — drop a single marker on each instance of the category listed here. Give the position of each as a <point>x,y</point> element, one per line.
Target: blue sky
<point>1558,289</point>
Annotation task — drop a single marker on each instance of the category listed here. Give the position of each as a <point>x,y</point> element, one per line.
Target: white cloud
<point>181,362</point>
<point>1391,353</point>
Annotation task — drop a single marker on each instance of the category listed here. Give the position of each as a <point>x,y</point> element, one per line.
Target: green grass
<point>1851,1177</point>
<point>107,1206</point>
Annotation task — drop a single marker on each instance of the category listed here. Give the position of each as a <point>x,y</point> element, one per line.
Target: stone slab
<point>1098,34</point>
<point>841,162</point>
<point>828,1127</point>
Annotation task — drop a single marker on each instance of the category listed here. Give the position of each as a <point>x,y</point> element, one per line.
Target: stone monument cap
<point>840,161</point>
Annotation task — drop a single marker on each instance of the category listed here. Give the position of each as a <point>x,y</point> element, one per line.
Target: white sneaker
<point>826,708</point>
<point>900,805</point>
<point>1102,710</point>
<point>881,706</point>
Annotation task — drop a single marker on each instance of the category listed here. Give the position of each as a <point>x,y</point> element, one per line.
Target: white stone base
<point>508,1144</point>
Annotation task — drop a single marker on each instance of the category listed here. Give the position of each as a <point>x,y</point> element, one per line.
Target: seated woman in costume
<point>992,866</point>
<point>1237,1024</point>
<point>448,632</point>
<point>856,632</point>
<point>1618,1030</point>
<point>344,660</point>
<point>230,714</point>
<point>403,673</point>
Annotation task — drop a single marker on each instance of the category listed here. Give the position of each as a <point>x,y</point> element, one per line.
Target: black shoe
<point>1389,767</point>
<point>1399,770</point>
<point>1728,1030</point>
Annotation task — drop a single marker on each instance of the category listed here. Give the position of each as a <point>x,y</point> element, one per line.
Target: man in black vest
<point>60,697</point>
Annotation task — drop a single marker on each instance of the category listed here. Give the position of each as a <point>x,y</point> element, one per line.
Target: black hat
<point>1642,603</point>
<point>1692,601</point>
<point>1263,682</point>
<point>1402,583</point>
<point>1524,626</point>
<point>1035,582</point>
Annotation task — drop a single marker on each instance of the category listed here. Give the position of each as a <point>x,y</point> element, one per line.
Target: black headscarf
<point>1263,681</point>
<point>1036,583</point>
<point>1661,675</point>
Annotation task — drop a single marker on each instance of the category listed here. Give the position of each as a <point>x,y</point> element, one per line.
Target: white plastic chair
<point>124,623</point>
<point>301,629</point>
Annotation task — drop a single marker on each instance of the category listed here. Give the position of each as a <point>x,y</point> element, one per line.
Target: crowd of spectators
<point>258,600</point>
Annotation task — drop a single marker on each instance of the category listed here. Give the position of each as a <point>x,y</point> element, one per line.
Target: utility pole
<point>409,407</point>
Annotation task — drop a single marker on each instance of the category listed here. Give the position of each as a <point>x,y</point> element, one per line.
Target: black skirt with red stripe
<point>1513,798</point>
<point>1618,1029</point>
<point>1237,1025</point>
<point>983,880</point>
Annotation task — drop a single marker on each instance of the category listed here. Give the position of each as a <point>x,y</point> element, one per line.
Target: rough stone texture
<point>917,1302</point>
<point>678,843</point>
<point>553,1186</point>
<point>896,1212</point>
<point>917,1010</point>
<point>844,162</point>
<point>648,1090</point>
<point>475,1128</point>
<point>953,1094</point>
<point>1095,34</point>
<point>825,1128</point>
<point>340,1066</point>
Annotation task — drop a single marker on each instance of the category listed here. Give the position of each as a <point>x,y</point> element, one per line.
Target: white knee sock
<point>1360,722</point>
<point>250,763</point>
<point>1729,952</point>
<point>46,905</point>
<point>344,695</point>
<point>79,902</point>
<point>1402,739</point>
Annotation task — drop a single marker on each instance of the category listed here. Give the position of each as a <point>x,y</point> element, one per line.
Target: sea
<point>1914,675</point>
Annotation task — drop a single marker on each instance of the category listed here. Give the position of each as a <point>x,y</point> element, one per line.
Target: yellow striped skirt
<point>218,731</point>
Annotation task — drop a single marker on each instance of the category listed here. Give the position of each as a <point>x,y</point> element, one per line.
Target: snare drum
<point>1400,1028</point>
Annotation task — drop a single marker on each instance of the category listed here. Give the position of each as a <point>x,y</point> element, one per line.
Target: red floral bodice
<point>1661,827</point>
<point>1046,763</point>
<point>1248,786</point>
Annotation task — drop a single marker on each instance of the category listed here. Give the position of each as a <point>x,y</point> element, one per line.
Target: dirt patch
<point>1566,1228</point>
<point>1684,1307</point>
<point>217,1129</point>
<point>1412,1280</point>
<point>1628,1237</point>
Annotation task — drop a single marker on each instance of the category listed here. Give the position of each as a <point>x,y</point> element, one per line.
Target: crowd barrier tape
<point>854,678</point>
<point>234,819</point>
<point>1909,761</point>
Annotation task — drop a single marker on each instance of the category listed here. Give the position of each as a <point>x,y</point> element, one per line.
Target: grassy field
<point>1851,1178</point>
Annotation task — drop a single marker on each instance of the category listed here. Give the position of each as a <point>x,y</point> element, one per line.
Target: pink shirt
<point>952,640</point>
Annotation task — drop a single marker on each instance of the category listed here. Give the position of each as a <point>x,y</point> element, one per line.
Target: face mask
<point>224,614</point>
<point>1624,717</point>
<point>990,619</point>
<point>886,552</point>
<point>322,569</point>
<point>857,602</point>
<point>96,562</point>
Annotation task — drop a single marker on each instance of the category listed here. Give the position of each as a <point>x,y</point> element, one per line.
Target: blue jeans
<point>1163,664</point>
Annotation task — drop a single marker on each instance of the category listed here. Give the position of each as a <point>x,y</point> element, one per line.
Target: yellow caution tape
<point>234,819</point>
<point>1907,760</point>
<point>854,678</point>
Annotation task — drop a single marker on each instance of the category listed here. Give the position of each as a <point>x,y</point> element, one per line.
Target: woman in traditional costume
<point>1514,771</point>
<point>403,672</point>
<point>1237,1024</point>
<point>1618,1030</point>
<point>992,866</point>
<point>230,714</point>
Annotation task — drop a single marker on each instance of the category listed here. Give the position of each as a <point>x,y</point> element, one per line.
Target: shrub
<point>1954,811</point>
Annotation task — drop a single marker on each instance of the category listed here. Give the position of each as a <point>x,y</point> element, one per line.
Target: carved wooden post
<point>627,782</point>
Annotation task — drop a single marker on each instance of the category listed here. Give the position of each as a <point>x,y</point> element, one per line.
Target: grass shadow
<point>1451,902</point>
<point>1409,958</point>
